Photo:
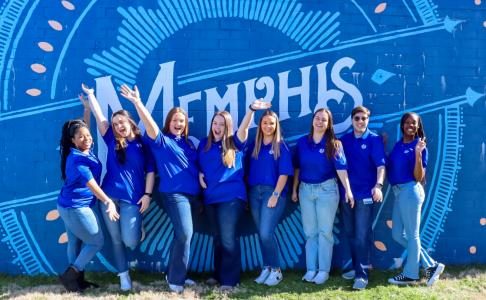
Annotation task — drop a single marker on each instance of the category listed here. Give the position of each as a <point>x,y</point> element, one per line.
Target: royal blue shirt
<point>223,183</point>
<point>313,163</point>
<point>176,163</point>
<point>127,181</point>
<point>80,168</point>
<point>266,169</point>
<point>401,162</point>
<point>364,155</point>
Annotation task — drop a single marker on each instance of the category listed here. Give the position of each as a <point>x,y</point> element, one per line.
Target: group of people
<point>228,172</point>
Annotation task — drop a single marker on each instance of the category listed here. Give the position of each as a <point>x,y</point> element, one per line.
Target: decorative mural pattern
<point>208,55</point>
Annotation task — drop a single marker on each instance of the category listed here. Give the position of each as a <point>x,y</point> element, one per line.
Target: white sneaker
<point>263,275</point>
<point>349,275</point>
<point>360,284</point>
<point>309,276</point>
<point>274,277</point>
<point>125,281</point>
<point>176,288</point>
<point>189,282</point>
<point>321,277</point>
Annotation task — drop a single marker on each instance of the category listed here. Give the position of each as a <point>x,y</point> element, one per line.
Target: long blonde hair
<point>277,136</point>
<point>228,148</point>
<point>121,143</point>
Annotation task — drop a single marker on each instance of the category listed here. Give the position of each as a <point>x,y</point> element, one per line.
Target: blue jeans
<point>126,232</point>
<point>223,218</point>
<point>357,224</point>
<point>266,220</point>
<point>407,211</point>
<point>178,208</point>
<point>318,205</point>
<point>85,237</point>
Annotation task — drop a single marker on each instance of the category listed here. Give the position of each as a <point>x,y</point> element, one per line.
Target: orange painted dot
<point>472,249</point>
<point>45,46</point>
<point>482,221</point>
<point>63,238</point>
<point>380,8</point>
<point>477,2</point>
<point>52,215</point>
<point>55,25</point>
<point>389,223</point>
<point>38,68</point>
<point>67,5</point>
<point>33,92</point>
<point>380,246</point>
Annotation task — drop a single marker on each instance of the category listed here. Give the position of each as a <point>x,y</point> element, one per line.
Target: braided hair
<point>69,129</point>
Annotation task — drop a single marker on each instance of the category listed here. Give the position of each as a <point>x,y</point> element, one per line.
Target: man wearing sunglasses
<point>365,154</point>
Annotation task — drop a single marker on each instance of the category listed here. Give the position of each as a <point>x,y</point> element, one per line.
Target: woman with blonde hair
<point>220,157</point>
<point>269,167</point>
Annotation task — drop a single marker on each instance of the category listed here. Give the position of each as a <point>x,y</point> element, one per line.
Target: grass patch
<point>456,283</point>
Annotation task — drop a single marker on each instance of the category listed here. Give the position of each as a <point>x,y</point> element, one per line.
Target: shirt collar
<point>364,136</point>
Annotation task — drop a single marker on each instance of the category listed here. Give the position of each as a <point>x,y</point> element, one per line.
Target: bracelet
<point>251,108</point>
<point>148,194</point>
<point>379,185</point>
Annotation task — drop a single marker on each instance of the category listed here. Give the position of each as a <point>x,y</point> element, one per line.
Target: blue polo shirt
<point>80,168</point>
<point>223,183</point>
<point>127,181</point>
<point>313,163</point>
<point>364,155</point>
<point>265,170</point>
<point>176,164</point>
<point>401,162</point>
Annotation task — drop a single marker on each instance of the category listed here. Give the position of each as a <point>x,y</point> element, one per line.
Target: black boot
<point>84,284</point>
<point>70,279</point>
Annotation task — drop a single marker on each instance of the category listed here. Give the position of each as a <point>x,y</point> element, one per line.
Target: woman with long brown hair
<point>319,160</point>
<point>129,181</point>
<point>175,156</point>
<point>270,165</point>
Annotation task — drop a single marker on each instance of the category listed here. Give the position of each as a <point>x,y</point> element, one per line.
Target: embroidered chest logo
<point>363,146</point>
<point>321,150</point>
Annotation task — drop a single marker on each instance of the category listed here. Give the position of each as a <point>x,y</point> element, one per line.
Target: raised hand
<point>84,101</point>
<point>260,105</point>
<point>86,89</point>
<point>129,94</point>
<point>421,144</point>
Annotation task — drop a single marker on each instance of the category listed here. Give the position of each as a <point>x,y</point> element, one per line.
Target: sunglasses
<point>356,118</point>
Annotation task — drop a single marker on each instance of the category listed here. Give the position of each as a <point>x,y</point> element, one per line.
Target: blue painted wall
<point>205,55</point>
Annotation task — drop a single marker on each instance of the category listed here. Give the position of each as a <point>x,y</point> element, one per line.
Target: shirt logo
<point>406,151</point>
<point>270,152</point>
<point>363,146</point>
<point>321,150</point>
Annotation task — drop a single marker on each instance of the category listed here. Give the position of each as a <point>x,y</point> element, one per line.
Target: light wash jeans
<point>407,210</point>
<point>266,220</point>
<point>126,232</point>
<point>85,237</point>
<point>318,205</point>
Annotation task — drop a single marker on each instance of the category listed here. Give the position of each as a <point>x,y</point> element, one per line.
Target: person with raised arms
<point>176,159</point>
<point>129,181</point>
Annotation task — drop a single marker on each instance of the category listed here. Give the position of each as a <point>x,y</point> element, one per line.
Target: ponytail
<point>69,129</point>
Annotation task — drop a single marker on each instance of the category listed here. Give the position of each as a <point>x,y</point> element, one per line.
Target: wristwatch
<point>148,194</point>
<point>276,194</point>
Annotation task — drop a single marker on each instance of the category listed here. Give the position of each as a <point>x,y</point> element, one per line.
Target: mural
<point>391,56</point>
